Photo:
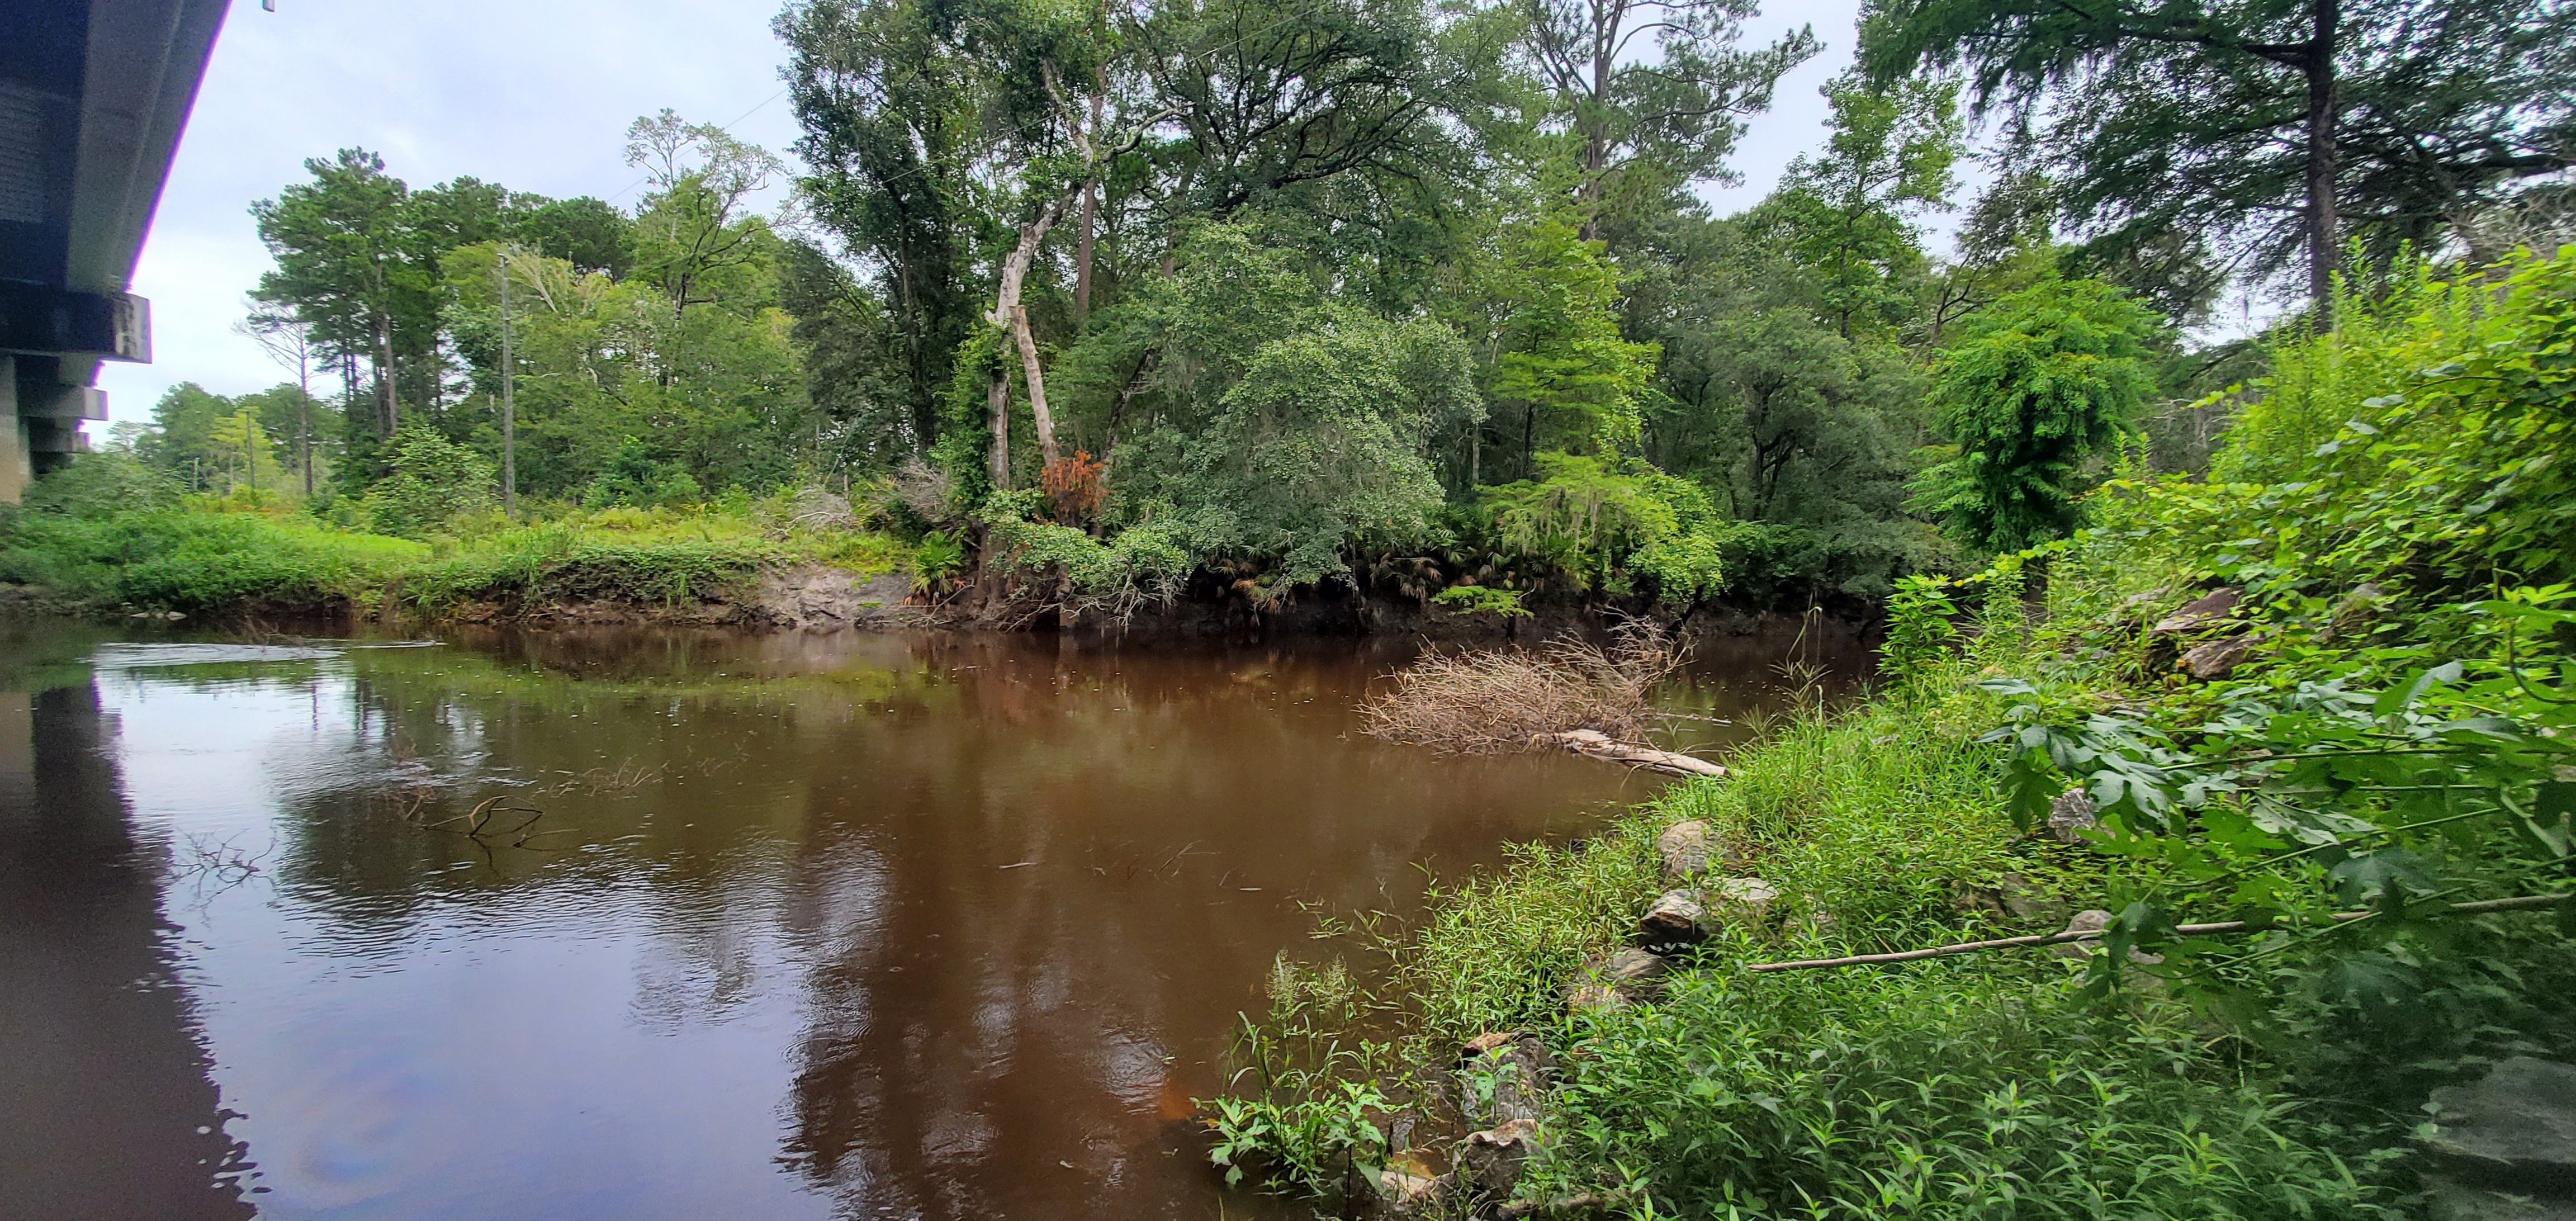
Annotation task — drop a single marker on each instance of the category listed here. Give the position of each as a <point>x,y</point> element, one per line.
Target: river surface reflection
<point>782,926</point>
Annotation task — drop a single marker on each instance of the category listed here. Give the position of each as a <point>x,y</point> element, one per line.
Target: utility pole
<point>304,410</point>
<point>509,407</point>
<point>289,341</point>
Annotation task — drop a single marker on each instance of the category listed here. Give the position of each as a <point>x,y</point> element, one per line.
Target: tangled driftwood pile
<point>1570,695</point>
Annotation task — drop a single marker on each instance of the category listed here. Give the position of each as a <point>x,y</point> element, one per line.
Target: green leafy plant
<point>434,481</point>
<point>1482,600</point>
<point>2033,387</point>
<point>635,477</point>
<point>1302,1110</point>
<point>1609,521</point>
<point>2282,806</point>
<point>1921,626</point>
<point>940,557</point>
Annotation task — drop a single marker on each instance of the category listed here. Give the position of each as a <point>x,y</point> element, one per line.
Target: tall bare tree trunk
<point>1008,314</point>
<point>388,414</point>
<point>509,404</point>
<point>2320,70</point>
<point>1082,252</point>
<point>1083,240</point>
<point>1596,140</point>
<point>997,409</point>
<point>304,412</point>
<point>1037,383</point>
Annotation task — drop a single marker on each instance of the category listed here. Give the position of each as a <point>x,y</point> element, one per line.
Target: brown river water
<point>756,926</point>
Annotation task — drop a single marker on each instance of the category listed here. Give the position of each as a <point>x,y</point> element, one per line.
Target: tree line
<point>1414,293</point>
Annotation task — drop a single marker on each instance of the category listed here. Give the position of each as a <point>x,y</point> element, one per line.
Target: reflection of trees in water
<point>106,1108</point>
<point>621,739</point>
<point>971,1028</point>
<point>840,808</point>
<point>949,1063</point>
<point>664,763</point>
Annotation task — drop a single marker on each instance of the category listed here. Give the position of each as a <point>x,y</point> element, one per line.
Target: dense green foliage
<point>2391,738</point>
<point>2403,736</point>
<point>1418,300</point>
<point>2031,388</point>
<point>1392,296</point>
<point>660,328</point>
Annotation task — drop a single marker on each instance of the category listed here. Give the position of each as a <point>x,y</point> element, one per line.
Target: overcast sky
<point>535,95</point>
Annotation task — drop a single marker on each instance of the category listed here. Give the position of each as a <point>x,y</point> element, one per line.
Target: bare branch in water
<point>214,866</point>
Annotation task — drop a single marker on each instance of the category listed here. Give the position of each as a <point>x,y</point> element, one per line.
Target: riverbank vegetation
<point>1395,299</point>
<point>113,535</point>
<point>2328,691</point>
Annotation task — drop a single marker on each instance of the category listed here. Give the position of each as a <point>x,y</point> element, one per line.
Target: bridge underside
<point>93,94</point>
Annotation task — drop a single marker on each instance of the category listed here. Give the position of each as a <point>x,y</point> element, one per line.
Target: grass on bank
<point>100,534</point>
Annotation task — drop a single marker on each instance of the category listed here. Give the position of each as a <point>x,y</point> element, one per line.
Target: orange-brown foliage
<point>1075,487</point>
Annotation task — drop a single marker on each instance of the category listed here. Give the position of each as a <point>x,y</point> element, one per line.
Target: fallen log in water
<point>1598,745</point>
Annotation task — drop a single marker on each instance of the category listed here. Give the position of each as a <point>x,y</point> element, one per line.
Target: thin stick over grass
<point>1505,700</point>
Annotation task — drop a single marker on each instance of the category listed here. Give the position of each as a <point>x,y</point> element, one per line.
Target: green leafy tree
<point>855,362</point>
<point>884,91</point>
<point>2275,123</point>
<point>1273,98</point>
<point>1644,125</point>
<point>1375,136</point>
<point>2031,389</point>
<point>1847,212</point>
<point>288,339</point>
<point>361,271</point>
<point>694,230</point>
<point>1610,521</point>
<point>718,388</point>
<point>1562,368</point>
<point>1322,445</point>
<point>245,447</point>
<point>1789,425</point>
<point>587,233</point>
<point>181,443</point>
<point>635,477</point>
<point>433,482</point>
<point>2006,242</point>
<point>1274,425</point>
<point>347,263</point>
